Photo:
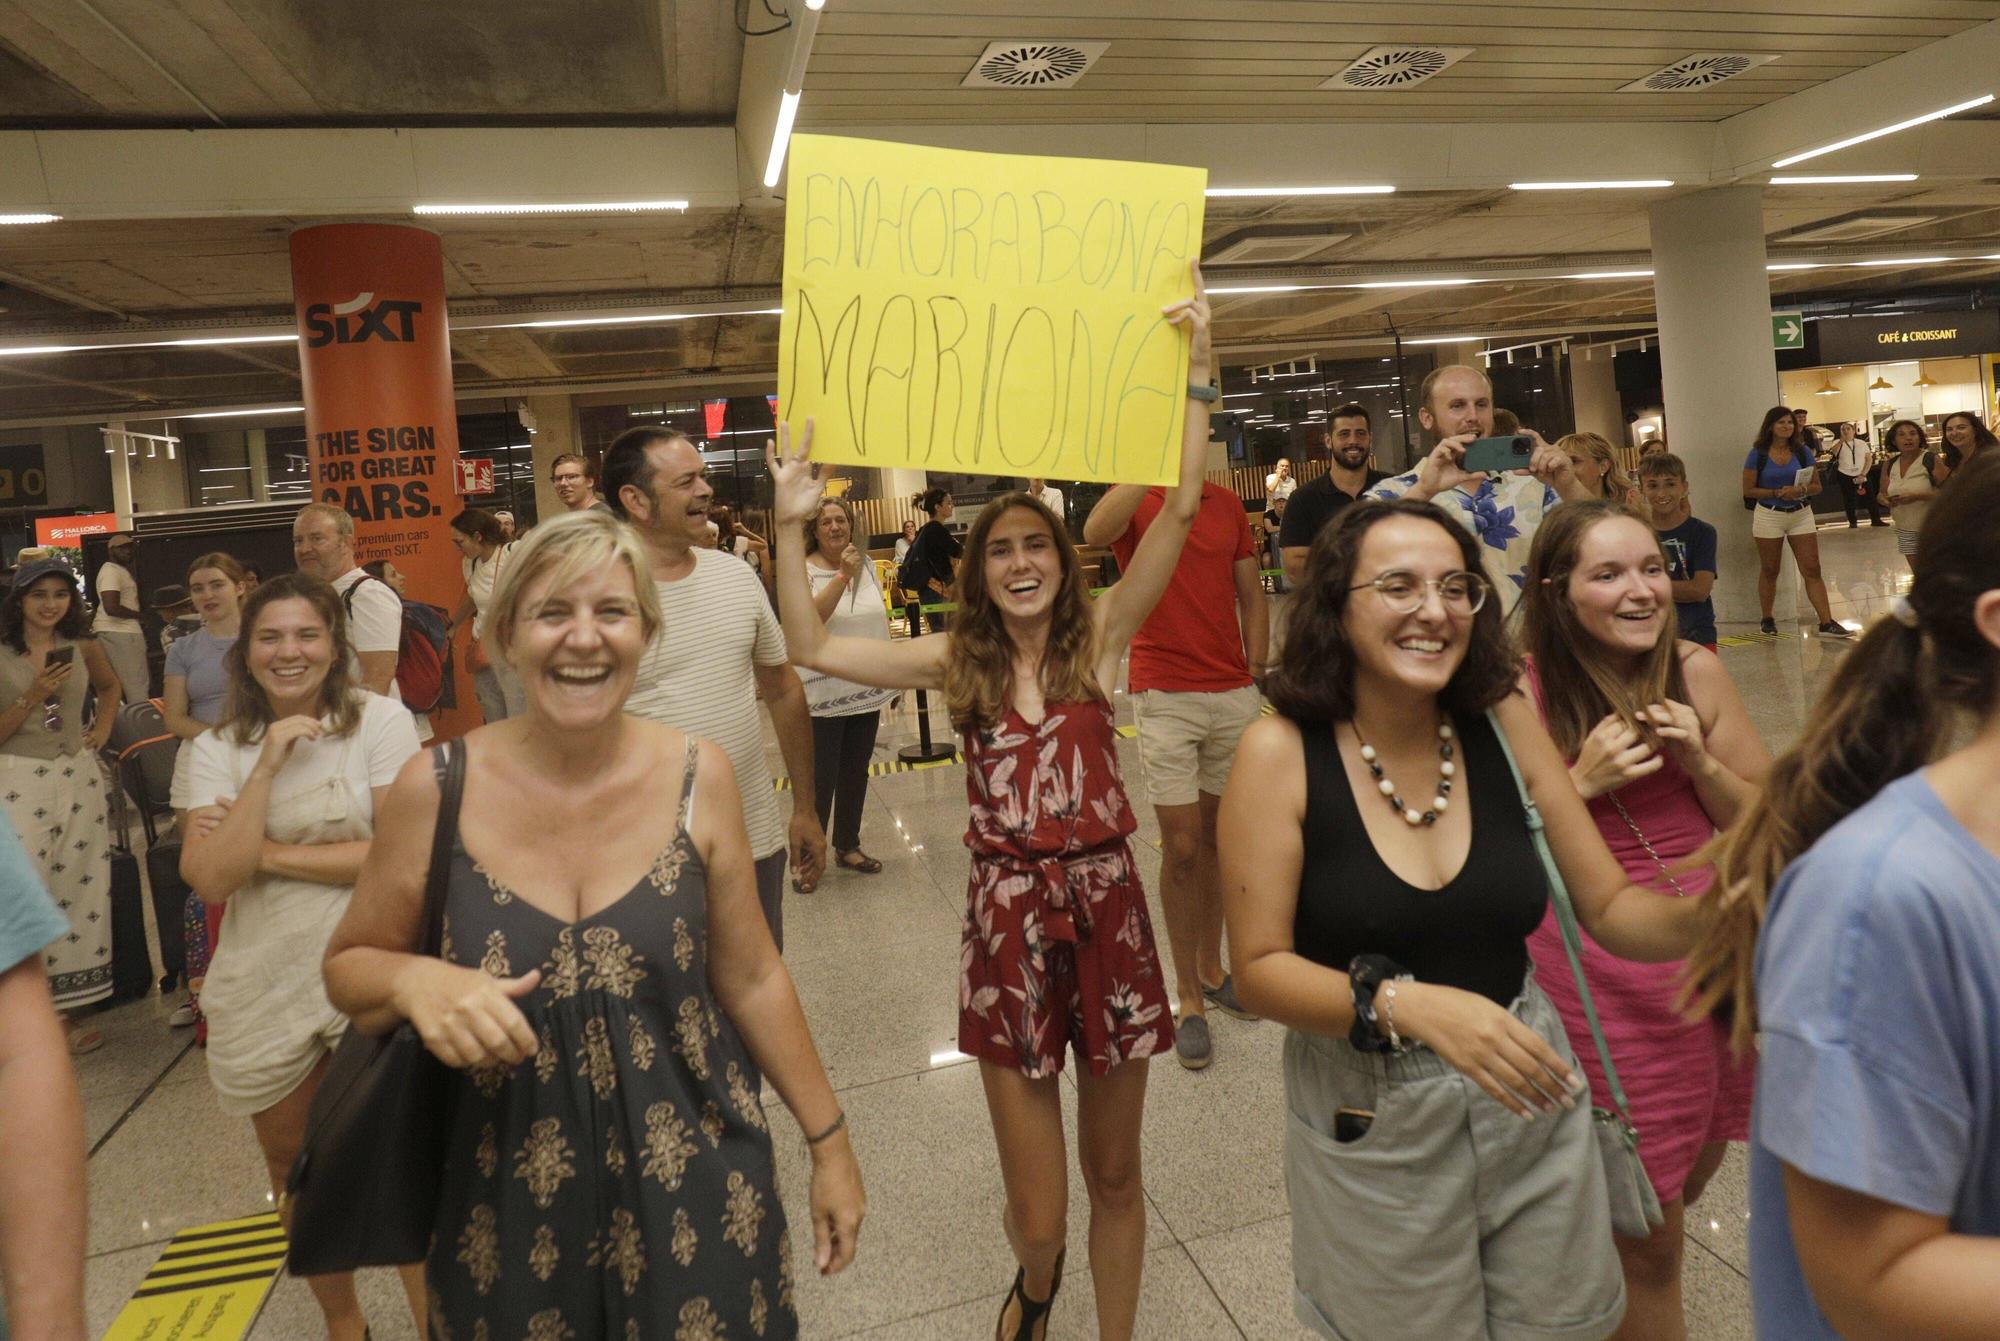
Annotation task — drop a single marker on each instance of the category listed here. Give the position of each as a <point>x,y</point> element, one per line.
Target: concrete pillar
<point>1718,370</point>
<point>552,420</point>
<point>256,457</point>
<point>1593,391</point>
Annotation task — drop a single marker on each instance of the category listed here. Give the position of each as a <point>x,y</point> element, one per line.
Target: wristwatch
<point>1212,392</point>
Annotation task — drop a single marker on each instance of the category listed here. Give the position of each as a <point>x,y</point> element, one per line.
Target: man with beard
<point>1317,502</point>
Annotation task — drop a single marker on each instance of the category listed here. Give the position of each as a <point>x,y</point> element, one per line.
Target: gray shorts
<point>1450,1218</point>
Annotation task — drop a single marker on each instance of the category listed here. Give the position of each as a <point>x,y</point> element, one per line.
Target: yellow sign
<point>989,314</point>
<point>207,1285</point>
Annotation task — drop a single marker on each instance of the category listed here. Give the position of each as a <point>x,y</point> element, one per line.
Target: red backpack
<point>423,652</point>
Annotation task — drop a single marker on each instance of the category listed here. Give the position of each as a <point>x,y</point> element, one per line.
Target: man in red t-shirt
<point>1192,678</point>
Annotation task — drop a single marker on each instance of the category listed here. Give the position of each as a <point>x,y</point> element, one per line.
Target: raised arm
<point>1124,607</point>
<point>1112,516</point>
<point>915,663</point>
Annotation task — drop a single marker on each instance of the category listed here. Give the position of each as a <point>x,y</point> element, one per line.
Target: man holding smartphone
<point>1455,406</point>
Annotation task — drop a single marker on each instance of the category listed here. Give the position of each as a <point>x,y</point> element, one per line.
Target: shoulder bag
<point>1635,1207</point>
<point>364,1189</point>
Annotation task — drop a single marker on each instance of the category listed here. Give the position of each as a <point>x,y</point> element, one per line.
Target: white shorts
<point>1771,524</point>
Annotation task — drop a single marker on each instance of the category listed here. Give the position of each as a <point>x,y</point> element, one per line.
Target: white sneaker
<point>184,1016</point>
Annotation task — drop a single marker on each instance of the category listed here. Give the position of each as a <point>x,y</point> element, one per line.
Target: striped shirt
<point>699,674</point>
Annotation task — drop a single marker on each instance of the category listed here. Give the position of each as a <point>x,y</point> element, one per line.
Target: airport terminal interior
<point>1639,219</point>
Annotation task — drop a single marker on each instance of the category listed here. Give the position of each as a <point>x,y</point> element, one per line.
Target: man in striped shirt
<point>719,650</point>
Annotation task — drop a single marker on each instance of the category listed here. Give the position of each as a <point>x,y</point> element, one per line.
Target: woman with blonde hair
<point>1058,950</point>
<point>1596,464</point>
<point>1858,942</point>
<point>284,794</point>
<point>608,1169</point>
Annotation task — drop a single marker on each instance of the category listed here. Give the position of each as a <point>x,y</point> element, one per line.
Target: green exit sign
<point>1788,331</point>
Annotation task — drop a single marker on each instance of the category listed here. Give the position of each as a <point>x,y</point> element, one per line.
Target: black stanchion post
<point>923,752</point>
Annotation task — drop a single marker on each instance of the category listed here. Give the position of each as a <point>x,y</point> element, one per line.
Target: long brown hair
<point>248,710</point>
<point>979,666</point>
<point>1314,678</point>
<point>1889,709</point>
<point>1580,682</point>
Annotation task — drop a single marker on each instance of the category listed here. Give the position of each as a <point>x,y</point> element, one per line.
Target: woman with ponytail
<point>1858,936</point>
<point>1662,750</point>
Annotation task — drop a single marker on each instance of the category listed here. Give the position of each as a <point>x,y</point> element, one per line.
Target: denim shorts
<point>1450,1218</point>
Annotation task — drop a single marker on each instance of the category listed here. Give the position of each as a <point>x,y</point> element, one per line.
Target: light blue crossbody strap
<point>1565,915</point>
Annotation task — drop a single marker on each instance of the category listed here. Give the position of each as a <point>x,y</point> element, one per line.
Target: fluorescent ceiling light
<point>1447,339</point>
<point>1613,274</point>
<point>1225,192</point>
<point>237,414</point>
<point>815,4</point>
<point>1844,179</point>
<point>1953,110</point>
<point>1795,265</point>
<point>788,111</point>
<point>1413,283</point>
<point>1265,288</point>
<point>29,218</point>
<point>642,319</point>
<point>1906,260</point>
<point>581,207</point>
<point>21,351</point>
<point>1637,185</point>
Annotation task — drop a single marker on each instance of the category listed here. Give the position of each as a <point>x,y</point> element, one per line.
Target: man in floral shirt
<point>1456,408</point>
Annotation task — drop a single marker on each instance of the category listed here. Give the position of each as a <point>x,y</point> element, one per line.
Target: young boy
<point>1688,541</point>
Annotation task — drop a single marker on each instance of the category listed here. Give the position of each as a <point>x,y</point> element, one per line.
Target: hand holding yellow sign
<point>987,313</point>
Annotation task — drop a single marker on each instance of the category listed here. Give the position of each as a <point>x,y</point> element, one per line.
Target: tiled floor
<point>876,964</point>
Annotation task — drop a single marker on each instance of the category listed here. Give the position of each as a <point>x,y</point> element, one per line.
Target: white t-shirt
<point>116,577</point>
<point>1052,499</point>
<point>375,624</point>
<point>1277,488</point>
<point>481,575</point>
<point>860,614</point>
<point>381,744</point>
<point>699,674</point>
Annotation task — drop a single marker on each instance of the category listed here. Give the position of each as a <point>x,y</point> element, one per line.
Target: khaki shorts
<point>1450,1217</point>
<point>1188,740</point>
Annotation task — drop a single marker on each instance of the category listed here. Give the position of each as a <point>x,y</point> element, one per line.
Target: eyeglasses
<point>1403,593</point>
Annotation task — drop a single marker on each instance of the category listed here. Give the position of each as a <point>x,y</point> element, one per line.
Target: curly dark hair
<point>1314,678</point>
<point>74,625</point>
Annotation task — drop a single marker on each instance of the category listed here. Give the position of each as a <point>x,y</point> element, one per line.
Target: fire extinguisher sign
<point>475,475</point>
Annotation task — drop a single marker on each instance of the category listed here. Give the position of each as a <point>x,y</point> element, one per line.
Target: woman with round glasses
<point>1664,753</point>
<point>52,787</point>
<point>1442,1169</point>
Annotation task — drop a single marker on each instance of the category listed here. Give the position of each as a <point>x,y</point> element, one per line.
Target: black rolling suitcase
<point>131,961</point>
<point>170,895</point>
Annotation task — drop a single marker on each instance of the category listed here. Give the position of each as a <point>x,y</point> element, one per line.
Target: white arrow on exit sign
<point>1788,331</point>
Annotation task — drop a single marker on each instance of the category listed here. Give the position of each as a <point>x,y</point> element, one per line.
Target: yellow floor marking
<point>207,1285</point>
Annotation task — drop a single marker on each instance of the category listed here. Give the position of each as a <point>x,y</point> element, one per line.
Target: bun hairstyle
<point>927,501</point>
<point>1890,709</point>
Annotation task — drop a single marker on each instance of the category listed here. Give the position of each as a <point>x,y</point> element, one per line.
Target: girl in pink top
<point>1665,754</point>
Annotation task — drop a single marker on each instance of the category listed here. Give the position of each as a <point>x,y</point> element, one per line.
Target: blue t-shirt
<point>28,918</point>
<point>199,657</point>
<point>1776,476</point>
<point>1690,549</point>
<point>1878,994</point>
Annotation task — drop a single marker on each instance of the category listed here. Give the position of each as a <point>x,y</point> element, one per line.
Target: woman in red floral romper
<point>1058,951</point>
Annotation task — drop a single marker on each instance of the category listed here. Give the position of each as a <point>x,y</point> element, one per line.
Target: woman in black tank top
<point>1377,866</point>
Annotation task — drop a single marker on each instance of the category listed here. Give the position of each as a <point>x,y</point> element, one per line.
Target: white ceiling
<point>185,233</point>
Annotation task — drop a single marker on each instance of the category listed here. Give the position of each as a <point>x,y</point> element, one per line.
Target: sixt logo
<point>359,319</point>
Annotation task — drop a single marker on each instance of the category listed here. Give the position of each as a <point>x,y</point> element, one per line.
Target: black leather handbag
<point>364,1189</point>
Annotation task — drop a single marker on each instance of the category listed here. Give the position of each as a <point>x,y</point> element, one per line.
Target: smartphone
<point>61,656</point>
<point>1489,456</point>
<point>1351,1124</point>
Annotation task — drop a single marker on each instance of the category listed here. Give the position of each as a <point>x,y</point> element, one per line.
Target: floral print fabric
<point>1058,949</point>
<point>618,1184</point>
<point>1502,515</point>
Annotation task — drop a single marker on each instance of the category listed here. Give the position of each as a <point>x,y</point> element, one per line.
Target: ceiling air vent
<point>1019,64</point>
<point>1702,70</point>
<point>1396,67</point>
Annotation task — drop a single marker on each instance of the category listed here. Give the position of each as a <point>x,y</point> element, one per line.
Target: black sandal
<point>866,866</point>
<point>1032,1310</point>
